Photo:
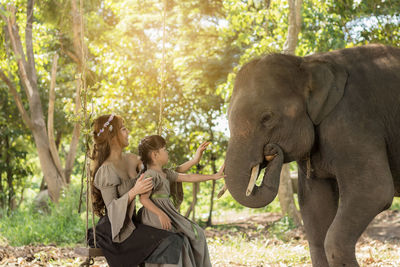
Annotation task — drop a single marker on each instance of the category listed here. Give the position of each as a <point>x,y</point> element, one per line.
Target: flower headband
<point>106,124</point>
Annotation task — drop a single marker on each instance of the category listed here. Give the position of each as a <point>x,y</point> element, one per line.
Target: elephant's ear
<point>324,88</point>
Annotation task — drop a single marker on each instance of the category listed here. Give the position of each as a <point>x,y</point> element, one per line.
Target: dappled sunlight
<point>64,63</point>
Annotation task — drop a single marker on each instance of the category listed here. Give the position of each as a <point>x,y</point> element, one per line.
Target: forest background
<point>118,67</point>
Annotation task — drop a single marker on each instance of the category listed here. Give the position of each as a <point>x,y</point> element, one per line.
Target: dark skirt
<point>145,244</point>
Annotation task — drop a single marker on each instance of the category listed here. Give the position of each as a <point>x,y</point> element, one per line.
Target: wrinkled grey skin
<point>343,109</point>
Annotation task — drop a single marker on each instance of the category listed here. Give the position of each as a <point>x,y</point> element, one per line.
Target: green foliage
<point>14,153</point>
<point>62,225</point>
<point>395,204</point>
<point>281,227</point>
<point>206,44</point>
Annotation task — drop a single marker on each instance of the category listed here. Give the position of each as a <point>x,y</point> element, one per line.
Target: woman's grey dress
<point>195,250</point>
<point>122,238</point>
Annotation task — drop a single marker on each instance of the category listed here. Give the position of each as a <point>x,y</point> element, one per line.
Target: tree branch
<point>76,28</point>
<point>75,136</point>
<point>31,70</point>
<point>18,101</point>
<point>18,51</point>
<point>50,119</point>
<point>294,26</point>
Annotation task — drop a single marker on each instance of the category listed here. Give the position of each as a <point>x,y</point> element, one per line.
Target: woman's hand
<point>165,221</point>
<point>141,186</point>
<point>199,151</point>
<point>220,174</point>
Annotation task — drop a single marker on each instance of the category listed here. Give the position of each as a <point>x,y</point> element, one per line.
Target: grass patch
<point>61,225</point>
<point>281,227</point>
<point>256,252</point>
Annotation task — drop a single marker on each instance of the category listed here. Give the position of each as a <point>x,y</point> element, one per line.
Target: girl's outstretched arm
<point>190,163</point>
<point>148,204</point>
<point>193,178</point>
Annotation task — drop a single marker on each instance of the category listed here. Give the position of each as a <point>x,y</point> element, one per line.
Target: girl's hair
<point>101,151</point>
<point>147,145</point>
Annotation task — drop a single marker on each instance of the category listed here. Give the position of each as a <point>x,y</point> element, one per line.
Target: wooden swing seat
<point>89,252</point>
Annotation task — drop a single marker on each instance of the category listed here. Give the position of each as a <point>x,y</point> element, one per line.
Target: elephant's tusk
<point>270,157</point>
<point>253,178</point>
<point>222,191</point>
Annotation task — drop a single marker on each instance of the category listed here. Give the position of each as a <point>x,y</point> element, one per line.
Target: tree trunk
<point>214,168</point>
<point>21,199</point>
<point>42,185</point>
<point>192,208</point>
<point>51,175</point>
<point>35,121</point>
<point>80,50</point>
<point>76,29</point>
<point>2,193</point>
<point>294,26</point>
<point>58,139</point>
<point>196,187</point>
<point>50,119</point>
<point>285,194</point>
<point>285,191</point>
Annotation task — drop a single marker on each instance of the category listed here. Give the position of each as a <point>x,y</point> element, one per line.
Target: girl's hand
<point>142,185</point>
<point>165,221</point>
<point>220,174</point>
<point>200,150</point>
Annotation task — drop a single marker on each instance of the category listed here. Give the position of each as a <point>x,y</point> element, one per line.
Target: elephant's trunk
<point>241,175</point>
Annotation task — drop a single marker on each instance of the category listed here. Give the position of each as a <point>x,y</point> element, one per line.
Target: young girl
<point>159,211</point>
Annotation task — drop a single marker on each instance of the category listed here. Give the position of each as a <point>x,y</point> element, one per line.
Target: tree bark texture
<point>294,26</point>
<point>50,119</point>
<point>34,119</point>
<point>214,168</point>
<point>285,192</point>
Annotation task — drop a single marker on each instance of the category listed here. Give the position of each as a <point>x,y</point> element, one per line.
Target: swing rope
<point>163,75</point>
<point>87,127</point>
<point>86,167</point>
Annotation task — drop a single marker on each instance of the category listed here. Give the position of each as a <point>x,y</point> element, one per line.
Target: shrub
<point>62,225</point>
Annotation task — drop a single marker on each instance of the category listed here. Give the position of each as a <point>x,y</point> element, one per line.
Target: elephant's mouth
<point>272,154</point>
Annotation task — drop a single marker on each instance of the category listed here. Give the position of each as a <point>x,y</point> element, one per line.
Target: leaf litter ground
<point>242,239</point>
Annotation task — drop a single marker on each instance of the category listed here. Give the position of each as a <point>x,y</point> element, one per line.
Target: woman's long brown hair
<point>101,151</point>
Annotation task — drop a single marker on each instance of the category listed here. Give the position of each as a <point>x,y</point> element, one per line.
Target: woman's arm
<point>190,163</point>
<point>148,204</point>
<point>134,164</point>
<point>141,186</point>
<point>193,178</point>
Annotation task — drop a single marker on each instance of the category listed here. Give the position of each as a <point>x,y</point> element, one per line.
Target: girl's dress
<point>124,241</point>
<point>195,250</point>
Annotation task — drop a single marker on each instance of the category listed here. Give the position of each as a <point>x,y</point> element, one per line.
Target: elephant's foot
<point>352,218</point>
<point>355,212</point>
<point>366,189</point>
<point>318,256</point>
<point>339,254</point>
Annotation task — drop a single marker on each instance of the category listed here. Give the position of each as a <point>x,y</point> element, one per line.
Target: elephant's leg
<point>318,199</point>
<point>366,188</point>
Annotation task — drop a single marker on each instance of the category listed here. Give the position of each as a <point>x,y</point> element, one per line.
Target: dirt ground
<point>378,246</point>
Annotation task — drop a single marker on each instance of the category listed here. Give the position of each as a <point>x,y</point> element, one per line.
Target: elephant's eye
<point>266,118</point>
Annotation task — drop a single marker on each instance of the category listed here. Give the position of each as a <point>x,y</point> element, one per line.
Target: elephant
<point>337,114</point>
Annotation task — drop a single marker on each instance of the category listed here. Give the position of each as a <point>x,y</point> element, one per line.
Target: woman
<point>125,241</point>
